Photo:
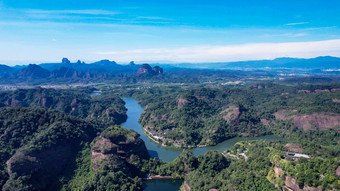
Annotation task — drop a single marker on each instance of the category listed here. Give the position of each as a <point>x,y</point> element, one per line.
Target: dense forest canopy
<point>206,116</point>
<point>107,109</point>
<point>35,141</point>
<point>73,137</point>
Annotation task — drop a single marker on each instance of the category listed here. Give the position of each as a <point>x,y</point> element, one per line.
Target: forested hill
<point>44,149</point>
<point>47,150</point>
<point>37,144</point>
<point>107,109</point>
<point>207,116</point>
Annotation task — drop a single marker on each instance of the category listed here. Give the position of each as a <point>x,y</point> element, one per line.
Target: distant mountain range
<point>108,70</point>
<point>103,70</point>
<point>322,62</point>
<point>102,66</point>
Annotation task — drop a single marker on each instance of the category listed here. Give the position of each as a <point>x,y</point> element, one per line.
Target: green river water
<point>169,154</point>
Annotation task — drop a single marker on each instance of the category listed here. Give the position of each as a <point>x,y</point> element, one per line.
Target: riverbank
<point>155,139</point>
<point>157,177</point>
<point>151,137</point>
<point>169,153</point>
<point>185,187</point>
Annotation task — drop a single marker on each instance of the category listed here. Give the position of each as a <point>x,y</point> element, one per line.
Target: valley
<point>180,95</point>
<point>112,135</point>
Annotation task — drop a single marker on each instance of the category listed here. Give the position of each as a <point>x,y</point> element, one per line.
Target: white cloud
<point>39,14</point>
<point>287,35</point>
<point>54,40</point>
<point>229,53</point>
<point>80,12</point>
<point>300,23</point>
<point>153,18</point>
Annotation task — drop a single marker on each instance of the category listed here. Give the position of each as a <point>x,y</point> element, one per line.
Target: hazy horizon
<point>151,62</point>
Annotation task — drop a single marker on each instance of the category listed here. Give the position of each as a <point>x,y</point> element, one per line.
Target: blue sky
<point>33,31</point>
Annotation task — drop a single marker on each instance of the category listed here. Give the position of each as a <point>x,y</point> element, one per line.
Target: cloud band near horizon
<point>253,51</point>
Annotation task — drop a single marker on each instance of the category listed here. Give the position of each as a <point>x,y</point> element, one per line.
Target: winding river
<point>169,154</point>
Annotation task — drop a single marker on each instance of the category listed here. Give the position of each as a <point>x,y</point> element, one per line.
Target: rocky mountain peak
<point>65,61</point>
<point>33,71</point>
<point>146,69</point>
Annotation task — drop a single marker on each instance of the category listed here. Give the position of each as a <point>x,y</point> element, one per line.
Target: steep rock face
<point>265,121</point>
<point>320,120</point>
<point>291,184</point>
<point>13,102</point>
<point>323,121</point>
<point>146,69</point>
<point>74,104</point>
<point>33,71</point>
<point>232,115</point>
<point>114,116</point>
<point>65,61</point>
<point>37,145</point>
<point>118,149</point>
<point>336,100</point>
<point>104,151</point>
<point>45,101</point>
<point>157,70</point>
<point>278,171</point>
<point>182,101</point>
<point>337,172</point>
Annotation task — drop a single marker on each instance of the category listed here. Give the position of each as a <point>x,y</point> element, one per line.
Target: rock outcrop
<point>290,183</point>
<point>182,101</point>
<point>157,70</point>
<point>146,69</point>
<point>65,61</point>
<point>118,149</point>
<point>231,115</point>
<point>38,145</point>
<point>321,120</point>
<point>278,171</point>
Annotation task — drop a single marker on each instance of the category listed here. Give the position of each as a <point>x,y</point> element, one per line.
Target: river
<point>169,154</point>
